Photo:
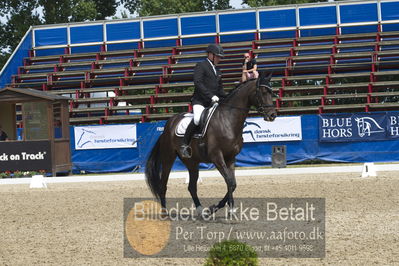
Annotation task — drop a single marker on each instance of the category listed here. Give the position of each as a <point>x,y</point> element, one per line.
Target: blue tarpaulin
<point>252,154</point>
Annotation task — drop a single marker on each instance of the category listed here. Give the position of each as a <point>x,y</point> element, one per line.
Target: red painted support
<point>320,110</point>
<point>254,45</point>
<point>87,76</point>
<point>217,39</point>
<point>329,70</point>
<point>327,80</point>
<point>190,108</point>
<point>372,77</point>
<point>281,92</point>
<point>286,72</point>
<point>278,103</point>
<point>292,52</point>
<point>325,90</point>
<point>378,37</point>
<point>368,98</point>
<point>370,88</point>
<point>117,91</point>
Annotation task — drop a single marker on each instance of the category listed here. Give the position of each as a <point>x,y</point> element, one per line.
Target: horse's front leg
<point>227,171</point>
<point>192,186</point>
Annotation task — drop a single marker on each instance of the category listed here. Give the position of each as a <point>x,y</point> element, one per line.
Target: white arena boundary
<point>206,174</point>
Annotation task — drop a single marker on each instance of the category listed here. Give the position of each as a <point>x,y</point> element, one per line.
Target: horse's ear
<point>262,74</point>
<point>269,77</point>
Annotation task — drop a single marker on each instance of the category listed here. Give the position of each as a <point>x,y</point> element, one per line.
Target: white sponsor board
<point>105,137</point>
<point>281,129</point>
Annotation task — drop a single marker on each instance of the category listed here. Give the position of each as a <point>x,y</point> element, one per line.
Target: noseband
<point>261,105</point>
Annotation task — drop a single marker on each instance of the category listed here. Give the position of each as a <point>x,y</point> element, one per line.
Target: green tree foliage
<point>162,7</point>
<point>257,3</point>
<point>19,15</point>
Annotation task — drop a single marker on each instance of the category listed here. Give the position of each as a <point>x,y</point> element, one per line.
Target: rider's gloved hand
<point>215,99</point>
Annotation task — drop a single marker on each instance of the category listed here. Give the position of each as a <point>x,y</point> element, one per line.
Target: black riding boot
<point>185,148</point>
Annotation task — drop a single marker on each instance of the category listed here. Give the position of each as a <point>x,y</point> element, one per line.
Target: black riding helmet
<point>215,49</point>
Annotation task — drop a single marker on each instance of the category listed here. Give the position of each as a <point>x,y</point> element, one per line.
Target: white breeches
<point>197,110</point>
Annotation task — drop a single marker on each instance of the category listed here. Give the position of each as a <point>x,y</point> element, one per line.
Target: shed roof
<point>14,95</point>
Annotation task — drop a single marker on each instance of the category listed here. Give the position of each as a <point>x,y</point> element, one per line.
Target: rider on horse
<point>208,89</point>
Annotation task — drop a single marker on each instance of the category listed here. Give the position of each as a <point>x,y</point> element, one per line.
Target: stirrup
<point>185,151</point>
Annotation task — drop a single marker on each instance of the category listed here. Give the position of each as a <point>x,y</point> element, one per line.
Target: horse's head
<point>263,98</point>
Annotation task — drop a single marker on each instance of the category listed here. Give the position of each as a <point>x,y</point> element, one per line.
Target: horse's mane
<point>236,89</point>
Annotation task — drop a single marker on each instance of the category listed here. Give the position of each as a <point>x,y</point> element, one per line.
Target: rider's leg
<point>185,149</point>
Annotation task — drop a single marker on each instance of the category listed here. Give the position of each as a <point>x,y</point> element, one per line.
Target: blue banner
<point>358,127</point>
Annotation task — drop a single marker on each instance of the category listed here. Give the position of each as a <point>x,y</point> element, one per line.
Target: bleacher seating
<point>319,74</point>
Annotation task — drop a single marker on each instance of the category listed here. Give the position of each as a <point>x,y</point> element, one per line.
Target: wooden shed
<point>44,143</point>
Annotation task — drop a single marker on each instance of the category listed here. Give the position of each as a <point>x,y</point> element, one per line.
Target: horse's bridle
<point>261,105</point>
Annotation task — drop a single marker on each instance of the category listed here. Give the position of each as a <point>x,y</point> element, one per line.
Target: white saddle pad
<point>183,124</point>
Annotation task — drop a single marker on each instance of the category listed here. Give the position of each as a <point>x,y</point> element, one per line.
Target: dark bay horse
<point>223,141</point>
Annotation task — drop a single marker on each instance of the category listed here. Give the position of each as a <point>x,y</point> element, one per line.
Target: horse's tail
<point>153,169</point>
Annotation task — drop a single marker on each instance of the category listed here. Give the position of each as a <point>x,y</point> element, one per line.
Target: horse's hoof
<point>164,213</point>
<point>213,208</point>
<point>233,211</point>
<point>203,213</point>
<point>200,210</point>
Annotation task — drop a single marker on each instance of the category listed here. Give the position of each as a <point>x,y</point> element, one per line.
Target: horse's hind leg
<point>192,186</point>
<point>167,163</point>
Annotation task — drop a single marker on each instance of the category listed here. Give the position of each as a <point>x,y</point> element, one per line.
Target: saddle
<point>203,126</point>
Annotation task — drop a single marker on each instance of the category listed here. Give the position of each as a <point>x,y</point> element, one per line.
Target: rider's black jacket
<point>207,84</point>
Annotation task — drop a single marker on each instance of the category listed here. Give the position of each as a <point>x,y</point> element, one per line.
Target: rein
<point>261,106</point>
<point>234,107</point>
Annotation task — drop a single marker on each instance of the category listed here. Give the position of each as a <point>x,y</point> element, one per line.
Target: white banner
<point>105,137</point>
<point>281,129</point>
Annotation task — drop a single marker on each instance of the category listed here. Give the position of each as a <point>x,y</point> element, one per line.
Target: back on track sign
<point>25,156</point>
